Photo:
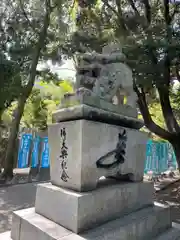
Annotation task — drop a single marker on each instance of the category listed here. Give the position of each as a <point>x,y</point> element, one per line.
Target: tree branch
<point>174,12</point>
<point>167,61</point>
<point>120,16</point>
<point>110,7</point>
<point>163,87</point>
<point>39,46</point>
<point>149,123</point>
<point>132,4</point>
<point>147,11</point>
<point>26,17</point>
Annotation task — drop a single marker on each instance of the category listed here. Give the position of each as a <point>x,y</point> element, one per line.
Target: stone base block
<point>81,211</point>
<point>143,224</point>
<point>28,225</point>
<point>83,151</point>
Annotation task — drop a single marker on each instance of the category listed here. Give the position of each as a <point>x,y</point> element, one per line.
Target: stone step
<point>143,224</point>
<point>83,211</point>
<point>170,234</point>
<point>28,225</point>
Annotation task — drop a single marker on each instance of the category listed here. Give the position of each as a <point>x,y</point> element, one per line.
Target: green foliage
<point>148,32</point>
<point>7,115</point>
<point>44,100</point>
<point>141,40</point>
<point>20,24</point>
<point>35,112</point>
<point>175,101</point>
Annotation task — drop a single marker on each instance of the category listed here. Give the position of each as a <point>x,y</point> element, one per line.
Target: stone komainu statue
<point>107,75</point>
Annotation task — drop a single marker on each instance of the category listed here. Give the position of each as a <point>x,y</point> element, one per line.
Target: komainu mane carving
<point>106,75</point>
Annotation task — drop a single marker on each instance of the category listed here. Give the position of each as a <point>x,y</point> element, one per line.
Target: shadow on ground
<point>171,196</point>
<point>13,198</point>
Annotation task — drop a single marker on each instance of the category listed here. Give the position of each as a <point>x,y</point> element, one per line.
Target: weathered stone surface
<point>110,53</point>
<point>35,227</point>
<point>112,48</point>
<point>100,103</point>
<point>92,150</point>
<point>176,224</point>
<point>170,234</point>
<point>143,224</point>
<point>104,58</point>
<point>122,118</point>
<point>107,75</point>
<point>113,77</point>
<point>81,211</point>
<point>15,229</point>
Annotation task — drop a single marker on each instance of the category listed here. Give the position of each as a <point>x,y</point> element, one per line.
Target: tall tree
<point>149,32</point>
<point>31,34</point>
<point>10,83</point>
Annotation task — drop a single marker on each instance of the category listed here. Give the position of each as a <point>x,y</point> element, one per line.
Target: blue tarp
<point>159,155</point>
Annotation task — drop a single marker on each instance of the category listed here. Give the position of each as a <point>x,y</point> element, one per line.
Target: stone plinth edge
<point>146,223</point>
<point>86,112</point>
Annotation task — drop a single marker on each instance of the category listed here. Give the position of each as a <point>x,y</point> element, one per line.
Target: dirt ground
<point>171,196</point>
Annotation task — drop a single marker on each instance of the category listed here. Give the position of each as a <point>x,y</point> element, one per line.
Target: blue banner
<point>165,158</point>
<point>35,152</point>
<point>159,157</point>
<point>45,153</point>
<point>148,156</point>
<point>24,150</point>
<point>171,157</point>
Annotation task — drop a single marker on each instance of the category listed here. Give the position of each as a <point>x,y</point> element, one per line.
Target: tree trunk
<point>176,147</point>
<point>8,168</point>
<point>167,111</point>
<point>9,161</point>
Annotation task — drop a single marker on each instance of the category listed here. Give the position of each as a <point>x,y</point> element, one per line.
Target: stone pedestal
<point>81,211</point>
<point>91,149</point>
<point>96,190</point>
